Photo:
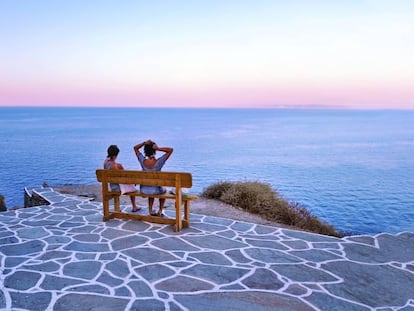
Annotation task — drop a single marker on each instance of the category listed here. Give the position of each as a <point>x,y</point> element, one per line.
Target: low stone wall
<point>33,199</point>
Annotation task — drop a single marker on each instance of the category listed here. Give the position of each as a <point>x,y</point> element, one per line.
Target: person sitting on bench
<point>111,164</point>
<point>151,163</point>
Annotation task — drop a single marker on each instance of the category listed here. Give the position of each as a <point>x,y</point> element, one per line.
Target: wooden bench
<point>164,179</point>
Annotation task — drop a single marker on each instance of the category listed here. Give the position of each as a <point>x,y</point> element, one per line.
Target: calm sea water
<point>352,169</point>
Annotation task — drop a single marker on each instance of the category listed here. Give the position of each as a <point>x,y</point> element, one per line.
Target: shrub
<point>215,191</point>
<point>252,196</point>
<point>260,198</point>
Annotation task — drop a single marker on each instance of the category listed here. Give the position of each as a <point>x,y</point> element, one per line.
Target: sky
<point>356,54</point>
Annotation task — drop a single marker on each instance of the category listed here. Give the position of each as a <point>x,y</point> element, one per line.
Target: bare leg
<point>162,201</point>
<point>150,204</point>
<point>134,205</point>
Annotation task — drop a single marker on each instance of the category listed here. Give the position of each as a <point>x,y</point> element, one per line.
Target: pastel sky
<point>207,53</point>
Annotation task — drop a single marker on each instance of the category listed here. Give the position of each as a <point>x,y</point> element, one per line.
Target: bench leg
<point>116,204</point>
<point>178,222</point>
<point>105,205</point>
<point>186,220</point>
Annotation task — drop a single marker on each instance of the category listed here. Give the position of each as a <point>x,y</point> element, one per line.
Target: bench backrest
<point>168,179</point>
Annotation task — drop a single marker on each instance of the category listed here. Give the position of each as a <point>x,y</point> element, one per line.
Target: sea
<point>353,169</point>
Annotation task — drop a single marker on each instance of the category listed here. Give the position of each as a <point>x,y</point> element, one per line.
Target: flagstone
<point>372,285</point>
<point>37,301</point>
<point>79,301</point>
<point>82,269</point>
<point>24,248</point>
<point>51,282</point>
<point>183,283</point>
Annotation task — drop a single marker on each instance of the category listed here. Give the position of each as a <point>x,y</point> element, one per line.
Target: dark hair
<point>113,151</point>
<point>149,149</point>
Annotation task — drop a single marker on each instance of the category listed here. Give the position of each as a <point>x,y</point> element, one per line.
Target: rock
<point>2,204</point>
<point>88,195</point>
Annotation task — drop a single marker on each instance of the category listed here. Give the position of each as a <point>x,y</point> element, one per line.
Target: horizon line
<point>276,107</point>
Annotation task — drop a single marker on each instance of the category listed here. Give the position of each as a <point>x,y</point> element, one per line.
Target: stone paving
<point>63,257</point>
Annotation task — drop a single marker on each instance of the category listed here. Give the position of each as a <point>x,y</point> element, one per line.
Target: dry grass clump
<point>215,191</point>
<point>261,198</point>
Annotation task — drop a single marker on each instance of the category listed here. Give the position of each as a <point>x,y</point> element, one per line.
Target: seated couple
<point>148,163</point>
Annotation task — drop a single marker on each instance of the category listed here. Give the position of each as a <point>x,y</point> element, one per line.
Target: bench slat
<point>167,179</point>
<point>186,197</point>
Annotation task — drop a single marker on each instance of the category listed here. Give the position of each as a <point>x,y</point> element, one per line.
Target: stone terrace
<point>63,257</point>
